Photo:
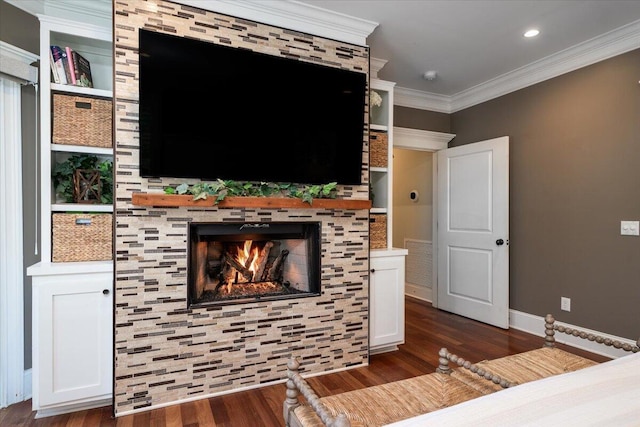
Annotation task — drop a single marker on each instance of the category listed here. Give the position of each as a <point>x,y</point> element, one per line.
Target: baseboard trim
<point>419,292</point>
<point>380,350</point>
<point>65,409</point>
<point>535,325</point>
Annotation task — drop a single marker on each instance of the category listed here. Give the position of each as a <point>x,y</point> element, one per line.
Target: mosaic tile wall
<point>165,352</point>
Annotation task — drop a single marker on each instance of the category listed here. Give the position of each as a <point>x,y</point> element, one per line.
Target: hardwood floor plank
<point>189,414</point>
<point>158,417</point>
<point>125,421</point>
<point>76,419</point>
<point>203,413</point>
<point>172,416</point>
<point>427,330</point>
<point>219,411</point>
<point>241,413</point>
<point>19,414</point>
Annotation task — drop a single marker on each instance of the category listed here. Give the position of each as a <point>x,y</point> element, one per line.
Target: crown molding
<point>616,42</point>
<point>420,100</point>
<point>96,12</point>
<point>293,15</point>
<point>421,140</point>
<point>288,14</point>
<point>375,65</point>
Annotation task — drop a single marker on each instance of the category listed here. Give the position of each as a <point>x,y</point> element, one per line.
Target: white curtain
<point>11,268</point>
<point>14,71</point>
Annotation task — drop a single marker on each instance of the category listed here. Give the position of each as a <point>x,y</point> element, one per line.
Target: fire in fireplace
<point>232,263</point>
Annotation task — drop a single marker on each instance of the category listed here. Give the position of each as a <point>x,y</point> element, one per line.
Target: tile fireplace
<point>170,344</point>
<point>233,263</point>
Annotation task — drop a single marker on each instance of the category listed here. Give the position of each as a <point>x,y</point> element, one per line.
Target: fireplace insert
<point>234,263</point>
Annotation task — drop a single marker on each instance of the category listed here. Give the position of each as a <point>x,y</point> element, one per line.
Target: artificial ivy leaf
<point>314,190</point>
<point>182,188</point>
<point>329,188</point>
<point>307,197</point>
<point>221,195</point>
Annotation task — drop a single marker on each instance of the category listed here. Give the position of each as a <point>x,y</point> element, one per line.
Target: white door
<point>473,231</point>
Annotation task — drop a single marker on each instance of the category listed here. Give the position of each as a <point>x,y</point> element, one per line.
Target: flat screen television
<point>209,111</point>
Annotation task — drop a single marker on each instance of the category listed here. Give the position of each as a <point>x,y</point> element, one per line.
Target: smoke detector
<point>430,75</point>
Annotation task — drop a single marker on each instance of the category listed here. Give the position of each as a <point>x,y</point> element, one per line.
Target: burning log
<point>201,268</point>
<point>275,272</point>
<point>227,272</point>
<point>263,257</point>
<point>233,262</point>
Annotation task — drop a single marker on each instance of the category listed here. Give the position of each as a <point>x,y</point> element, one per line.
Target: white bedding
<point>605,395</point>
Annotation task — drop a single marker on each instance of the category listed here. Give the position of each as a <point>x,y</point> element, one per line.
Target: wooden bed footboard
<point>446,357</point>
<point>485,377</point>
<point>295,383</point>
<point>550,327</point>
<point>334,417</point>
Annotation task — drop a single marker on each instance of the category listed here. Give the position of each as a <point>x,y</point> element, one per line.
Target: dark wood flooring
<point>427,330</point>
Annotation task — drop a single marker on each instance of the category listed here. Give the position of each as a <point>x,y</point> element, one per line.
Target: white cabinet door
<point>73,333</point>
<point>386,303</point>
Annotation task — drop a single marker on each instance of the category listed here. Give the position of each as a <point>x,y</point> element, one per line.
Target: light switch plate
<point>630,228</point>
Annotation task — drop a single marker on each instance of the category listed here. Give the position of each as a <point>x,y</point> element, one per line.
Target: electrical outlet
<point>630,228</point>
<point>565,304</point>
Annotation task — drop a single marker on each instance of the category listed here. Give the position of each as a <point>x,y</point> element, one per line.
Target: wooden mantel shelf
<point>175,200</point>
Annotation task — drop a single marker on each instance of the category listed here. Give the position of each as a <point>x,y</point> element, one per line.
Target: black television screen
<point>210,111</point>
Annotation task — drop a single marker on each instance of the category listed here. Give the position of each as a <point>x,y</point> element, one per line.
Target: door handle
<point>499,242</point>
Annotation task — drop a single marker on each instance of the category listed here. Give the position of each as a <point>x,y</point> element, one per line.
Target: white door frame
<point>423,140</point>
<point>14,71</point>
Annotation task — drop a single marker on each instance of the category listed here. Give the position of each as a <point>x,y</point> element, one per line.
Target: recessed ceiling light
<point>531,33</point>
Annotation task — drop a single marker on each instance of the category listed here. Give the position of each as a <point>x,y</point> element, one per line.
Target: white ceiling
<point>477,46</point>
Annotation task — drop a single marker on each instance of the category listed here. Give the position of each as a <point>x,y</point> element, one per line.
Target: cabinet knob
<point>105,292</point>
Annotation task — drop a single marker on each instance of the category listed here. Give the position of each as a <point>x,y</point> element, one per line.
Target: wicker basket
<point>378,231</point>
<point>81,120</point>
<point>82,237</point>
<point>378,149</point>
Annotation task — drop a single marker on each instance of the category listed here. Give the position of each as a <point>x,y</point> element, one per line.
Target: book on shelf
<point>70,67</point>
<point>54,71</point>
<point>82,68</point>
<point>58,56</point>
<point>72,71</point>
<point>65,64</point>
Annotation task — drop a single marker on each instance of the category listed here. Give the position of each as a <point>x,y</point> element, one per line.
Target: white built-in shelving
<point>387,264</point>
<point>72,305</point>
<point>94,43</point>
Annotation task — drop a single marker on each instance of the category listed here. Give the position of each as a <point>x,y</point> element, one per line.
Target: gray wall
<point>23,30</point>
<point>574,175</point>
<point>411,118</point>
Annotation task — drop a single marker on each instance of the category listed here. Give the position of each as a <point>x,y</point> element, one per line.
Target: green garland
<point>223,188</point>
